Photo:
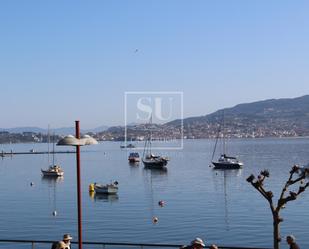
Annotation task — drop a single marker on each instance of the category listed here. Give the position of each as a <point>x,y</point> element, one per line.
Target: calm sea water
<point>218,206</point>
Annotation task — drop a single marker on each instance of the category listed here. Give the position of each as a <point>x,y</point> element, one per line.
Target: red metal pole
<point>79,195</point>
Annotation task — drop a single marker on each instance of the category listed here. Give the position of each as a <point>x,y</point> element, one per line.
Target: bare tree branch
<point>268,195</point>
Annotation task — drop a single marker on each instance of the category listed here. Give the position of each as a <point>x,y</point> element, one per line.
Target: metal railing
<point>104,245</point>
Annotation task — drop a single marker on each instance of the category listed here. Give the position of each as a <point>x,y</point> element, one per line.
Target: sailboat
<point>151,160</point>
<point>225,161</point>
<point>53,170</point>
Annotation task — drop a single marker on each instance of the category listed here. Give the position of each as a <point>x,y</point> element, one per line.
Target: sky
<point>75,60</point>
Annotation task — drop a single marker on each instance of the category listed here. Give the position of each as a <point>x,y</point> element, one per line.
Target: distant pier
<point>13,153</point>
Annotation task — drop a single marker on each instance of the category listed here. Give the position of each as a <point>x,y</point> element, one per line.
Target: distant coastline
<point>262,119</point>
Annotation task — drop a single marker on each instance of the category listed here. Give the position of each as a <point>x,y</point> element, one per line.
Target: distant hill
<point>272,108</point>
<point>98,129</point>
<point>273,117</point>
<point>57,131</point>
<point>23,129</point>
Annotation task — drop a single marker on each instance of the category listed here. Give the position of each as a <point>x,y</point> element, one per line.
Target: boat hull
<point>226,165</point>
<point>106,189</point>
<point>51,174</point>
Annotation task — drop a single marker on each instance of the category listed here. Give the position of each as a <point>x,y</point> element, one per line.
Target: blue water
<point>218,206</point>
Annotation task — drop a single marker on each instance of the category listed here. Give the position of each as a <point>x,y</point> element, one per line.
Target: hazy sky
<point>67,60</point>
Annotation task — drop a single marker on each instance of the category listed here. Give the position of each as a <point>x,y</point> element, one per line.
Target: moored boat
<point>111,188</point>
<point>134,157</point>
<point>53,171</point>
<point>224,161</point>
<point>149,159</point>
<point>152,161</point>
<point>127,146</point>
<point>227,162</point>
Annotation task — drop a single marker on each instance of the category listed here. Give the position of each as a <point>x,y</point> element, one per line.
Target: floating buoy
<point>161,203</point>
<point>91,187</point>
<point>55,213</point>
<point>155,219</point>
<point>31,183</point>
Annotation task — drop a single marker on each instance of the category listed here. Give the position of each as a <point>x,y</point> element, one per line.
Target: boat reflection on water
<point>155,182</point>
<point>51,183</point>
<point>52,180</point>
<point>134,164</point>
<point>103,197</point>
<point>228,176</point>
<point>228,173</point>
<point>155,172</point>
<point>155,176</point>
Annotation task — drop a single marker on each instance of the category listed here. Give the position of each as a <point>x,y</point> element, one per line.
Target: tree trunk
<point>277,238</point>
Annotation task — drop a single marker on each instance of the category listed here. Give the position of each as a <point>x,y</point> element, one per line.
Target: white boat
<point>225,161</point>
<point>111,188</point>
<point>53,170</point>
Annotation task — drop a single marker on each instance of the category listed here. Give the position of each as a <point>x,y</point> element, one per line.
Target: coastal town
<point>165,132</point>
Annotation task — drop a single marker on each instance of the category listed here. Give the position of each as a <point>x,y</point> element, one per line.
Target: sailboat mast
<point>224,142</point>
<point>147,147</point>
<point>53,149</point>
<point>48,141</point>
<point>217,138</point>
<point>150,139</point>
<point>150,135</point>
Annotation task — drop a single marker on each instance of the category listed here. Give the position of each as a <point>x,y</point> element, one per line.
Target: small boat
<point>111,188</point>
<point>134,157</point>
<point>127,146</point>
<point>224,161</point>
<point>53,171</point>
